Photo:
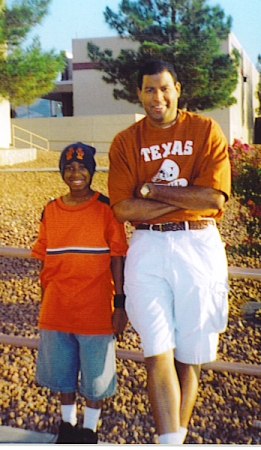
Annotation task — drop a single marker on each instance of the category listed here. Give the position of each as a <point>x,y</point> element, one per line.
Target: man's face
<point>159,97</point>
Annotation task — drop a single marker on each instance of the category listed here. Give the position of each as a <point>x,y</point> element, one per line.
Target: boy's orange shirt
<point>76,244</point>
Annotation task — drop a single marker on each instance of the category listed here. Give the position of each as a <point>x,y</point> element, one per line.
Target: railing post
<point>31,136</point>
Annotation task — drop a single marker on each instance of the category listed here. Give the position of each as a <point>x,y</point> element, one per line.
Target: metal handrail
<point>233,272</point>
<point>30,141</point>
<point>137,355</point>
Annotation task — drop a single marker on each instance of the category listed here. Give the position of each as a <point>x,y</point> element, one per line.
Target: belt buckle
<point>159,226</point>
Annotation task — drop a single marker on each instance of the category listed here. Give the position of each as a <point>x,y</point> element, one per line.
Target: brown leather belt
<point>177,226</point>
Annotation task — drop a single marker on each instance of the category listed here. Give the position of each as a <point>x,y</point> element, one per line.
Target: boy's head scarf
<point>78,152</point>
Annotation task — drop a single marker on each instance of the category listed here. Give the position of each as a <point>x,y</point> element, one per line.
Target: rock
<point>227,409</point>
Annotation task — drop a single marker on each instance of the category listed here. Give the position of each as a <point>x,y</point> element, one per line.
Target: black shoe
<point>67,433</point>
<point>87,436</point>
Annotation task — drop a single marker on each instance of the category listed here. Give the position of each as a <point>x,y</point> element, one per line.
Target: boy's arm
<point>119,316</point>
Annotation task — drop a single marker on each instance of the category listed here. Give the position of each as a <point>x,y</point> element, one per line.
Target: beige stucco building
<point>88,98</point>
<point>92,96</point>
<point>238,121</point>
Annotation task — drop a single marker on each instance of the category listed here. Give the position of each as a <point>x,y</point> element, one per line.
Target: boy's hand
<point>119,320</point>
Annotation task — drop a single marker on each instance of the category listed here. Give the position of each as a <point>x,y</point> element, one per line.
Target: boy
<point>81,246</point>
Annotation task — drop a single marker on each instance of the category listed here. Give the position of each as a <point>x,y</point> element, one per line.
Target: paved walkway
<point>10,435</point>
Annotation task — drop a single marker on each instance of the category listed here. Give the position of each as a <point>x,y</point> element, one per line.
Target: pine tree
<point>188,34</point>
<point>25,73</point>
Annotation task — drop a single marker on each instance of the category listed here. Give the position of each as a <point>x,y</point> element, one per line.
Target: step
<point>9,157</point>
<point>10,435</point>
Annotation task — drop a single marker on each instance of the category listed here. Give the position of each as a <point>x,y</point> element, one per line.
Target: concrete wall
<point>5,121</point>
<point>242,114</point>
<point>91,95</point>
<point>238,121</point>
<point>9,157</point>
<point>61,131</point>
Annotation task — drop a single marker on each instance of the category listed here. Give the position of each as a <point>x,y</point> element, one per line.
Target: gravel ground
<point>227,404</point>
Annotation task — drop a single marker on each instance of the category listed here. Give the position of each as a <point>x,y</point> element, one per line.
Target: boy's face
<point>77,177</point>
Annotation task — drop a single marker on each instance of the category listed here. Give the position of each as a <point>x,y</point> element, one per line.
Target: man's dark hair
<point>153,67</point>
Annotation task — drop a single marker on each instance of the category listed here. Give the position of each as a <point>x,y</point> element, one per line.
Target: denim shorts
<point>70,362</point>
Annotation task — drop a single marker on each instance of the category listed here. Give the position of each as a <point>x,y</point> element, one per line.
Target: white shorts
<point>176,286</point>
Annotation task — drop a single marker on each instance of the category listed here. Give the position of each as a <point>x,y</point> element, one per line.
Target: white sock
<point>171,438</point>
<point>91,418</point>
<point>69,414</point>
<point>183,431</point>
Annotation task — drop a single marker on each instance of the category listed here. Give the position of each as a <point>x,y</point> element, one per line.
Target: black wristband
<point>119,300</point>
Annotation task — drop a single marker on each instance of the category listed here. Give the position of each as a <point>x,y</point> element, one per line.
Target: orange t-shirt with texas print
<point>193,151</point>
<point>76,244</point>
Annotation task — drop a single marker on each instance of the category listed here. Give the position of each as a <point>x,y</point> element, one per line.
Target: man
<point>170,177</point>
